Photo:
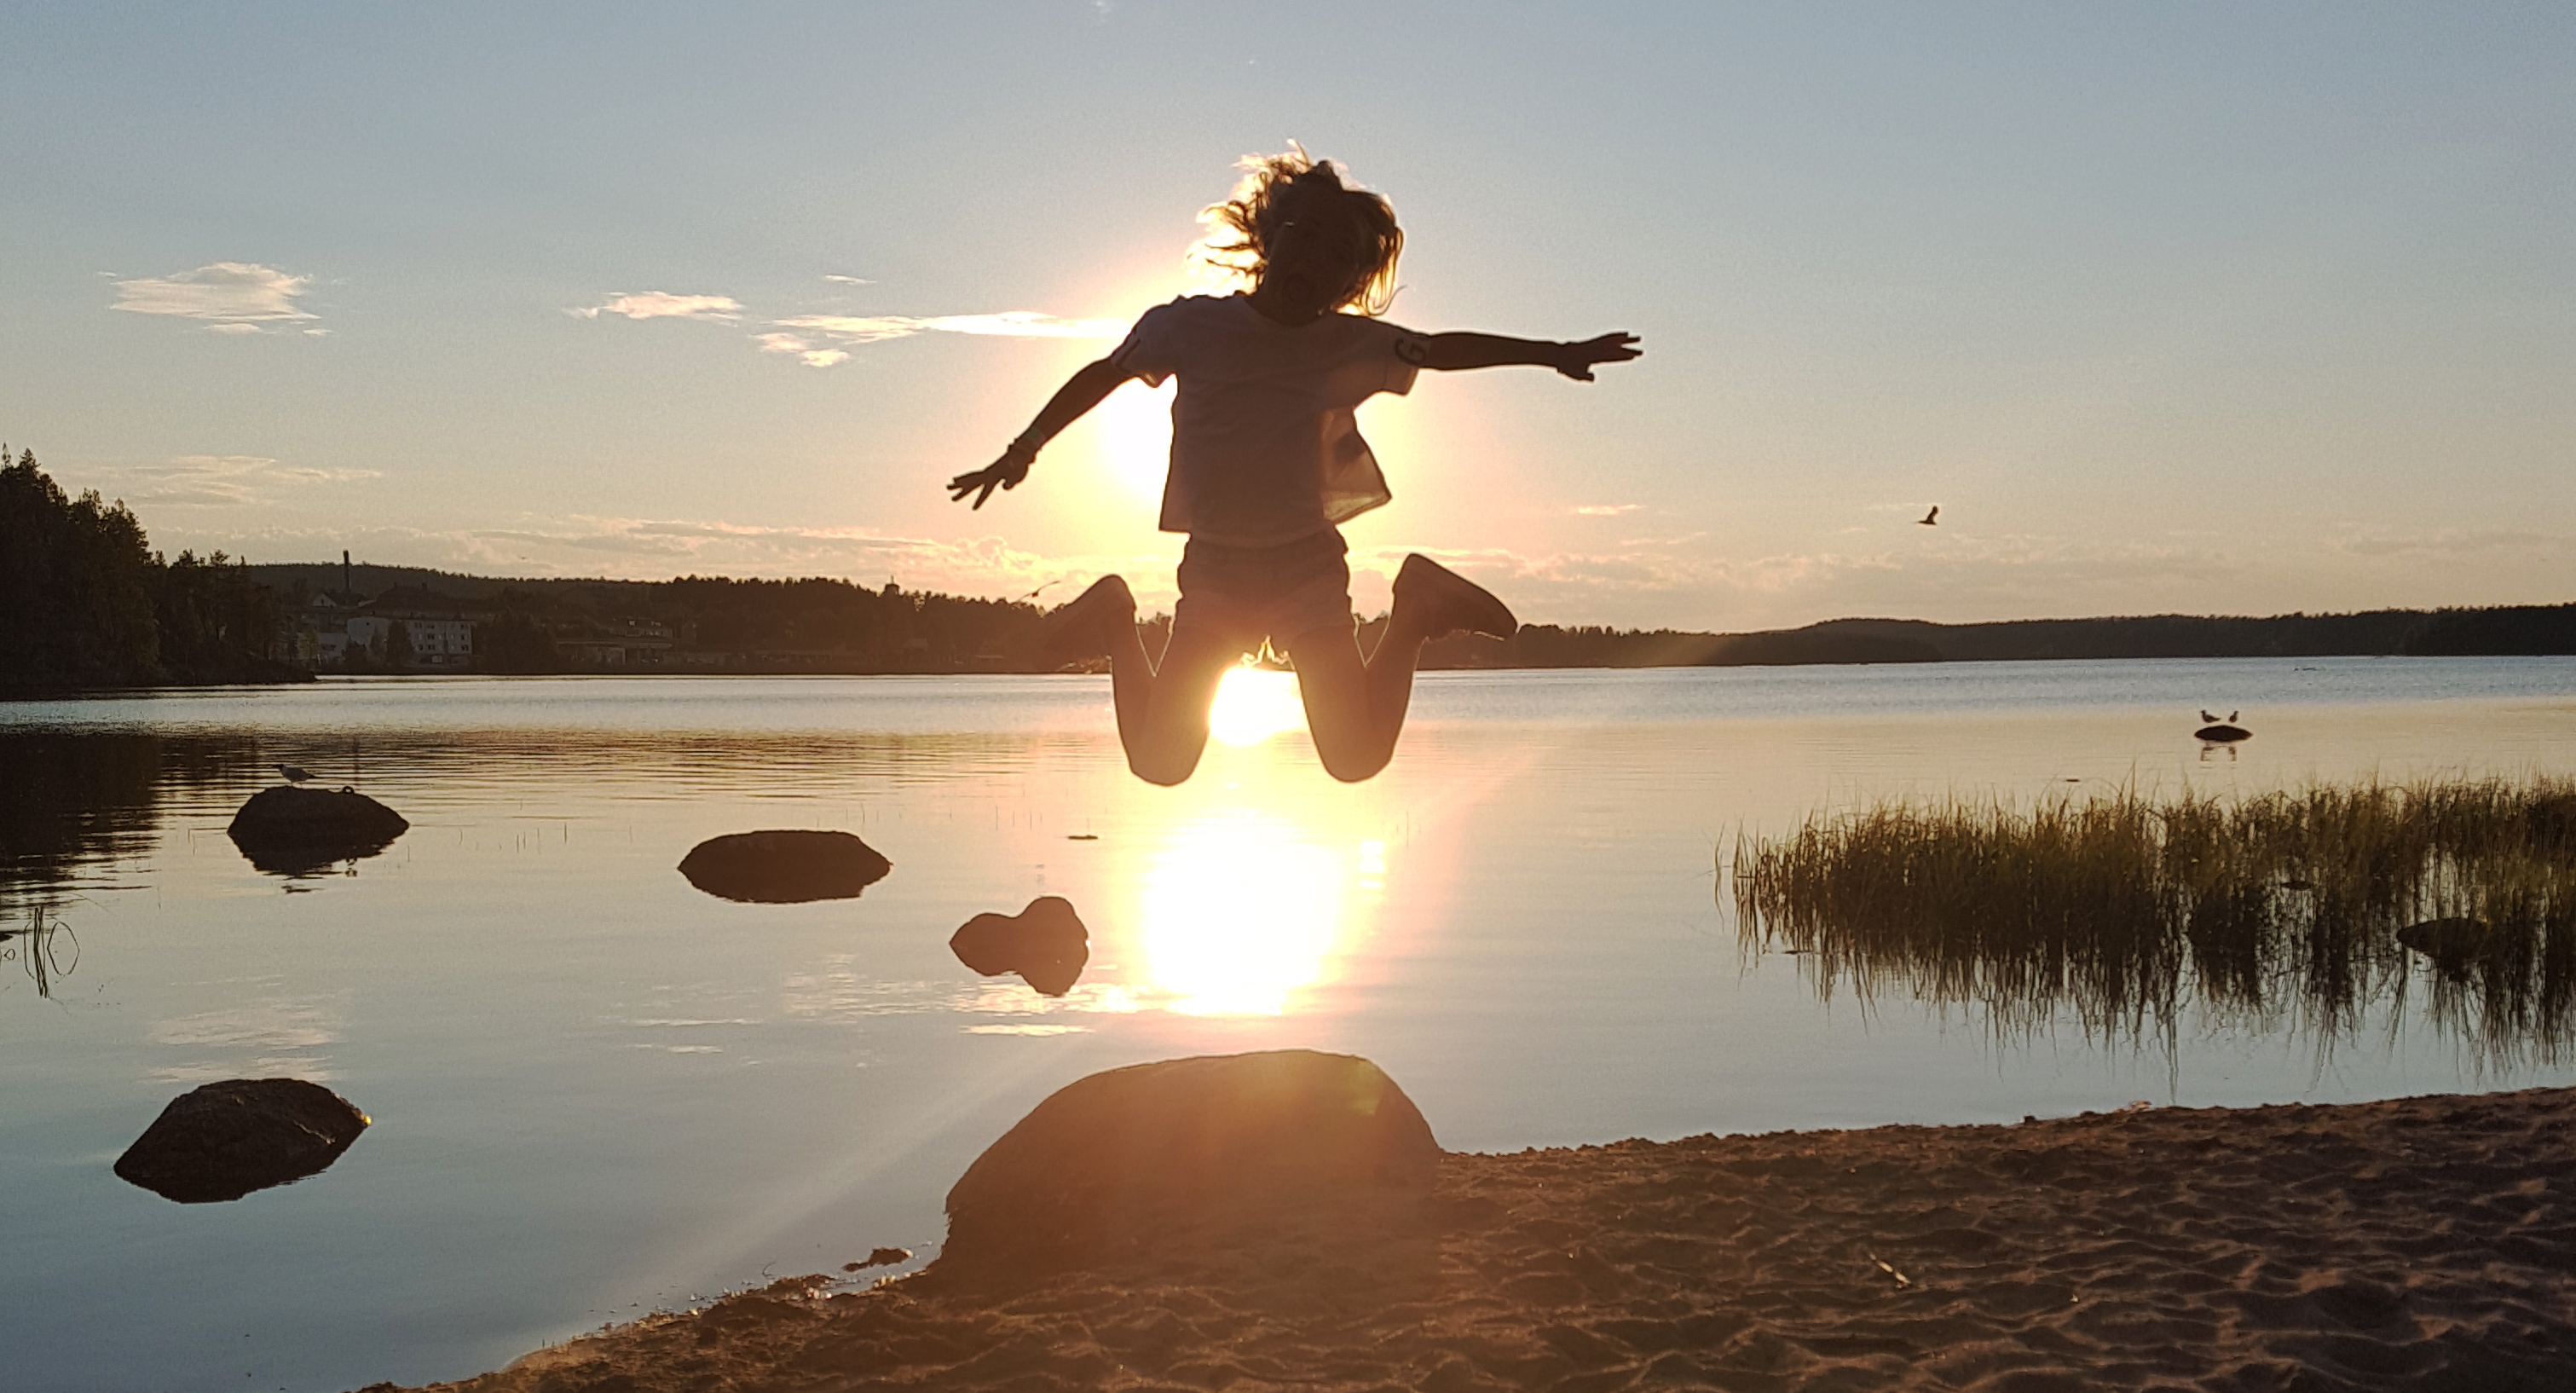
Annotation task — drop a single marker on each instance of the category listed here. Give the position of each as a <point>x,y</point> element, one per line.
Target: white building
<point>433,643</point>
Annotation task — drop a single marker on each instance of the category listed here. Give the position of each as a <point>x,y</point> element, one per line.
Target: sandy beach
<point>2424,1243</point>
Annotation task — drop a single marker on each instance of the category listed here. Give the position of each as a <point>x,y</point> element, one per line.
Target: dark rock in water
<point>295,831</point>
<point>2223,733</point>
<point>1045,943</point>
<point>224,1140</point>
<point>1153,1154</point>
<point>784,867</point>
<point>2452,944</point>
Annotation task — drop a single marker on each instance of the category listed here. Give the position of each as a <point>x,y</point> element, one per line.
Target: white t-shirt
<point>1265,446</point>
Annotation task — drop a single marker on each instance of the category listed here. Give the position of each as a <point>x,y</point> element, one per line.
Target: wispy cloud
<point>222,481</point>
<point>811,338</point>
<point>1686,586</point>
<point>850,280</point>
<point>2448,542</point>
<point>662,304</point>
<point>1605,510</point>
<point>1017,324</point>
<point>233,297</point>
<point>789,343</point>
<point>655,548</point>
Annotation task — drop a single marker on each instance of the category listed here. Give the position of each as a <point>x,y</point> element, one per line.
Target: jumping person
<point>1266,460</point>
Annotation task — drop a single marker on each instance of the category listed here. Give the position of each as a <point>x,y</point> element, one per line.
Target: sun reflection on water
<point>1242,914</point>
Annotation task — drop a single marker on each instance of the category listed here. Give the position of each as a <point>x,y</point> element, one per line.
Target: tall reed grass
<point>2127,909</point>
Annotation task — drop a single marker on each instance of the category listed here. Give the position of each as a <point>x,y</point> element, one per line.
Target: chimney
<point>345,587</point>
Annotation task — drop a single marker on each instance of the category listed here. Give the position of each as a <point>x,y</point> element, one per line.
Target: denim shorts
<point>1248,594</point>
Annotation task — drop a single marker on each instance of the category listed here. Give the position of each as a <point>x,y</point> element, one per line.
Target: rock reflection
<point>2316,908</point>
<point>224,1140</point>
<point>1046,944</point>
<point>302,831</point>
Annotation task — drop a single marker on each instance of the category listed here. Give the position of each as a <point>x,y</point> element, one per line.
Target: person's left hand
<point>1575,360</point>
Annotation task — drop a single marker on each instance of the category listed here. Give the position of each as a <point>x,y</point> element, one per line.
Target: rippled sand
<point>2426,1242</point>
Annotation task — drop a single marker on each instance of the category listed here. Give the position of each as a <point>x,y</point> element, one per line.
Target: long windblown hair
<point>1238,236</point>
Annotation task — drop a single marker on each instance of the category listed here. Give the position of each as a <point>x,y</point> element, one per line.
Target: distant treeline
<point>86,602</point>
<point>833,625</point>
<point>2513,630</point>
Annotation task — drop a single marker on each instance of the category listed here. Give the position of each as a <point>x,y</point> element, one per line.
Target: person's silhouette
<point>1266,460</point>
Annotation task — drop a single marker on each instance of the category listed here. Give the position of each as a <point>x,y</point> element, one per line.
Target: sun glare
<point>1240,914</point>
<point>1253,704</point>
<point>1136,436</point>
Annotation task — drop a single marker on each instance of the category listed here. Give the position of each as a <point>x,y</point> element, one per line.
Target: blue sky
<point>2212,308</point>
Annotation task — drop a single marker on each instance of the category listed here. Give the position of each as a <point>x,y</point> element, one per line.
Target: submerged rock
<point>224,1140</point>
<point>2222,733</point>
<point>295,831</point>
<point>784,867</point>
<point>2453,944</point>
<point>1045,944</point>
<point>1148,1155</point>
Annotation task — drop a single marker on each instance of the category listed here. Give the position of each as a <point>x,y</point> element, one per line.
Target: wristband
<point>1026,444</point>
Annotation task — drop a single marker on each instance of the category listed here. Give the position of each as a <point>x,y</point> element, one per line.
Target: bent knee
<point>1352,768</point>
<point>1163,770</point>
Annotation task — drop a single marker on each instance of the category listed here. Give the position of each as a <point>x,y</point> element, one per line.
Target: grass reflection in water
<point>45,947</point>
<point>2124,909</point>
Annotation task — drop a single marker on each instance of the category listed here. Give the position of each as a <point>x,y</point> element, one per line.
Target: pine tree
<point>75,586</point>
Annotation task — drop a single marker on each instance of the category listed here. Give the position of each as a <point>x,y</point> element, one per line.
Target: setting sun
<point>1255,703</point>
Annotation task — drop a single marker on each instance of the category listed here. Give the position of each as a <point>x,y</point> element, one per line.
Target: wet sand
<point>2421,1243</point>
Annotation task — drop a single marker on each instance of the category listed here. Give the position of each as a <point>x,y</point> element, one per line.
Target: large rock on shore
<point>784,867</point>
<point>1045,944</point>
<point>224,1140</point>
<point>1153,1154</point>
<point>289,830</point>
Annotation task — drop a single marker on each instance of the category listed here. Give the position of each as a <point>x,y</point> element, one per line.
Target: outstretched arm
<point>1080,392</point>
<point>1449,352</point>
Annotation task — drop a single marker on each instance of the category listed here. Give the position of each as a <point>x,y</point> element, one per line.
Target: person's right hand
<point>1003,473</point>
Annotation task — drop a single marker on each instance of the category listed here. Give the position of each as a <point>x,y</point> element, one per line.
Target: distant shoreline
<point>302,679</point>
<point>822,626</point>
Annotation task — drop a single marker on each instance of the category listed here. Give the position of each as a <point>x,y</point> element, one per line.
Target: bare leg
<point>1355,708</point>
<point>1162,708</point>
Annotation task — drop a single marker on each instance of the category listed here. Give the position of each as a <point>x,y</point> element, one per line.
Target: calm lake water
<point>597,1091</point>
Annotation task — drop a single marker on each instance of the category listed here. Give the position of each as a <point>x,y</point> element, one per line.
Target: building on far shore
<point>405,629</point>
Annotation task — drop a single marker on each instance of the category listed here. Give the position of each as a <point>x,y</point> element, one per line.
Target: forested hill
<point>2510,630</point>
<point>800,617</point>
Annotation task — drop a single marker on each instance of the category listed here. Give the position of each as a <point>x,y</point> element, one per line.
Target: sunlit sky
<point>2203,308</point>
